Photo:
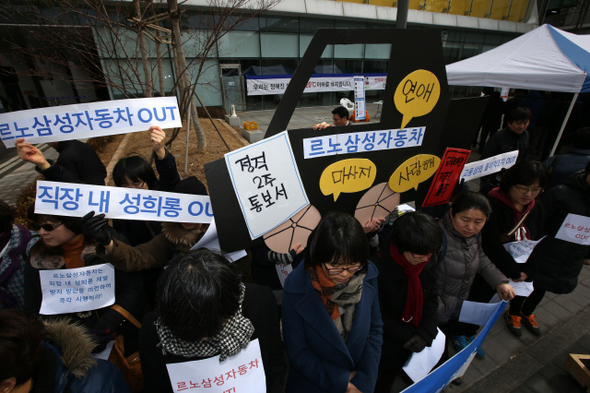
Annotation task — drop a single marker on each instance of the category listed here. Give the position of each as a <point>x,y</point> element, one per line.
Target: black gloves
<point>415,344</point>
<point>97,228</point>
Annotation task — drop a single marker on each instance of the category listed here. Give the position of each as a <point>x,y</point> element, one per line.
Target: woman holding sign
<point>407,293</point>
<point>63,246</point>
<point>563,253</point>
<point>460,261</point>
<point>516,216</point>
<point>332,325</point>
<point>204,310</point>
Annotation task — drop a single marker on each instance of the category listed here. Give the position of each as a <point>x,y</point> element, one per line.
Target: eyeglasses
<point>421,257</point>
<point>526,190</point>
<point>46,227</point>
<point>338,270</point>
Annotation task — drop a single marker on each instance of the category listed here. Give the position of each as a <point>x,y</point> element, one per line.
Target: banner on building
<point>277,84</point>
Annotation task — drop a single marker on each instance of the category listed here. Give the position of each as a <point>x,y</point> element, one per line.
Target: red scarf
<point>414,299</point>
<point>324,287</point>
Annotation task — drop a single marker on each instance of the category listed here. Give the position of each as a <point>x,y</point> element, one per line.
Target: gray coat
<point>464,258</point>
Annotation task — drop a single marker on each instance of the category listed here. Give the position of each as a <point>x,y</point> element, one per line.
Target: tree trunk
<point>182,71</point>
<point>160,67</point>
<point>147,75</point>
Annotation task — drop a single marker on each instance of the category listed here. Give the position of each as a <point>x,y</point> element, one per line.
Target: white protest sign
<point>477,169</point>
<point>283,271</point>
<point>62,123</point>
<point>522,288</point>
<point>75,200</point>
<point>77,290</point>
<point>277,85</point>
<point>521,250</point>
<point>210,241</point>
<point>477,313</point>
<point>419,364</point>
<point>242,373</point>
<point>362,141</point>
<point>575,229</point>
<point>267,183</point>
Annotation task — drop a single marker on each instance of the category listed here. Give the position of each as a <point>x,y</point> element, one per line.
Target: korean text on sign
<point>477,169</point>
<point>77,290</point>
<point>267,183</point>
<point>88,120</point>
<point>446,176</point>
<point>575,229</point>
<point>75,200</point>
<point>365,141</point>
<point>242,373</point>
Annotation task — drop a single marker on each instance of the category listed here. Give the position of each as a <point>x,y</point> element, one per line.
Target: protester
<point>559,262</point>
<point>203,310</point>
<point>513,137</point>
<point>407,292</point>
<point>52,357</point>
<point>332,325</point>
<point>516,216</point>
<point>464,258</point>
<point>77,162</point>
<point>492,116</point>
<point>340,116</point>
<point>16,242</point>
<point>562,166</point>
<point>64,246</point>
<point>136,172</point>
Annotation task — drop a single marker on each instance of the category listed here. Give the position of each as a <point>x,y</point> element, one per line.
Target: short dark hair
<point>581,138</point>
<point>416,232</point>
<point>72,223</point>
<point>471,200</point>
<point>525,173</point>
<point>6,216</point>
<point>341,111</point>
<point>21,345</point>
<point>519,114</point>
<point>136,168</point>
<point>197,293</point>
<point>339,237</point>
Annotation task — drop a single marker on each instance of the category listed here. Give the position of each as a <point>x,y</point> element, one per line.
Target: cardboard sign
<point>446,177</point>
<point>477,169</point>
<point>575,229</point>
<point>266,181</point>
<point>77,290</point>
<point>75,200</point>
<point>76,121</point>
<point>242,373</point>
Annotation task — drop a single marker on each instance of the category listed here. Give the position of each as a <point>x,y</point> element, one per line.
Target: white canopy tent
<point>543,59</point>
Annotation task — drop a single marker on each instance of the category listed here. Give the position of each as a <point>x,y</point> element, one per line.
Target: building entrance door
<point>233,91</point>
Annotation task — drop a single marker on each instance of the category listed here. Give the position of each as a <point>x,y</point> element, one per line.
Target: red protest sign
<point>446,177</point>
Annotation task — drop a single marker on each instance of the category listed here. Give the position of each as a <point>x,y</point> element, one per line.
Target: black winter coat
<point>501,221</point>
<point>259,306</point>
<point>393,290</point>
<point>559,262</point>
<point>77,163</point>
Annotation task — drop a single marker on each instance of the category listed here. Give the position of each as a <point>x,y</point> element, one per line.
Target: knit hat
<point>191,185</point>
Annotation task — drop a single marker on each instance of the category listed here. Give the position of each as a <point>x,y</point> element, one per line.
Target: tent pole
<point>567,116</point>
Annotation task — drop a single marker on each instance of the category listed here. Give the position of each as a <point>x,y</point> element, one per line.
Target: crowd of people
<point>359,301</point>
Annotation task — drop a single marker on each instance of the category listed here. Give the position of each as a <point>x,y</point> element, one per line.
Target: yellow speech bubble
<point>413,171</point>
<point>416,95</point>
<point>351,175</point>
